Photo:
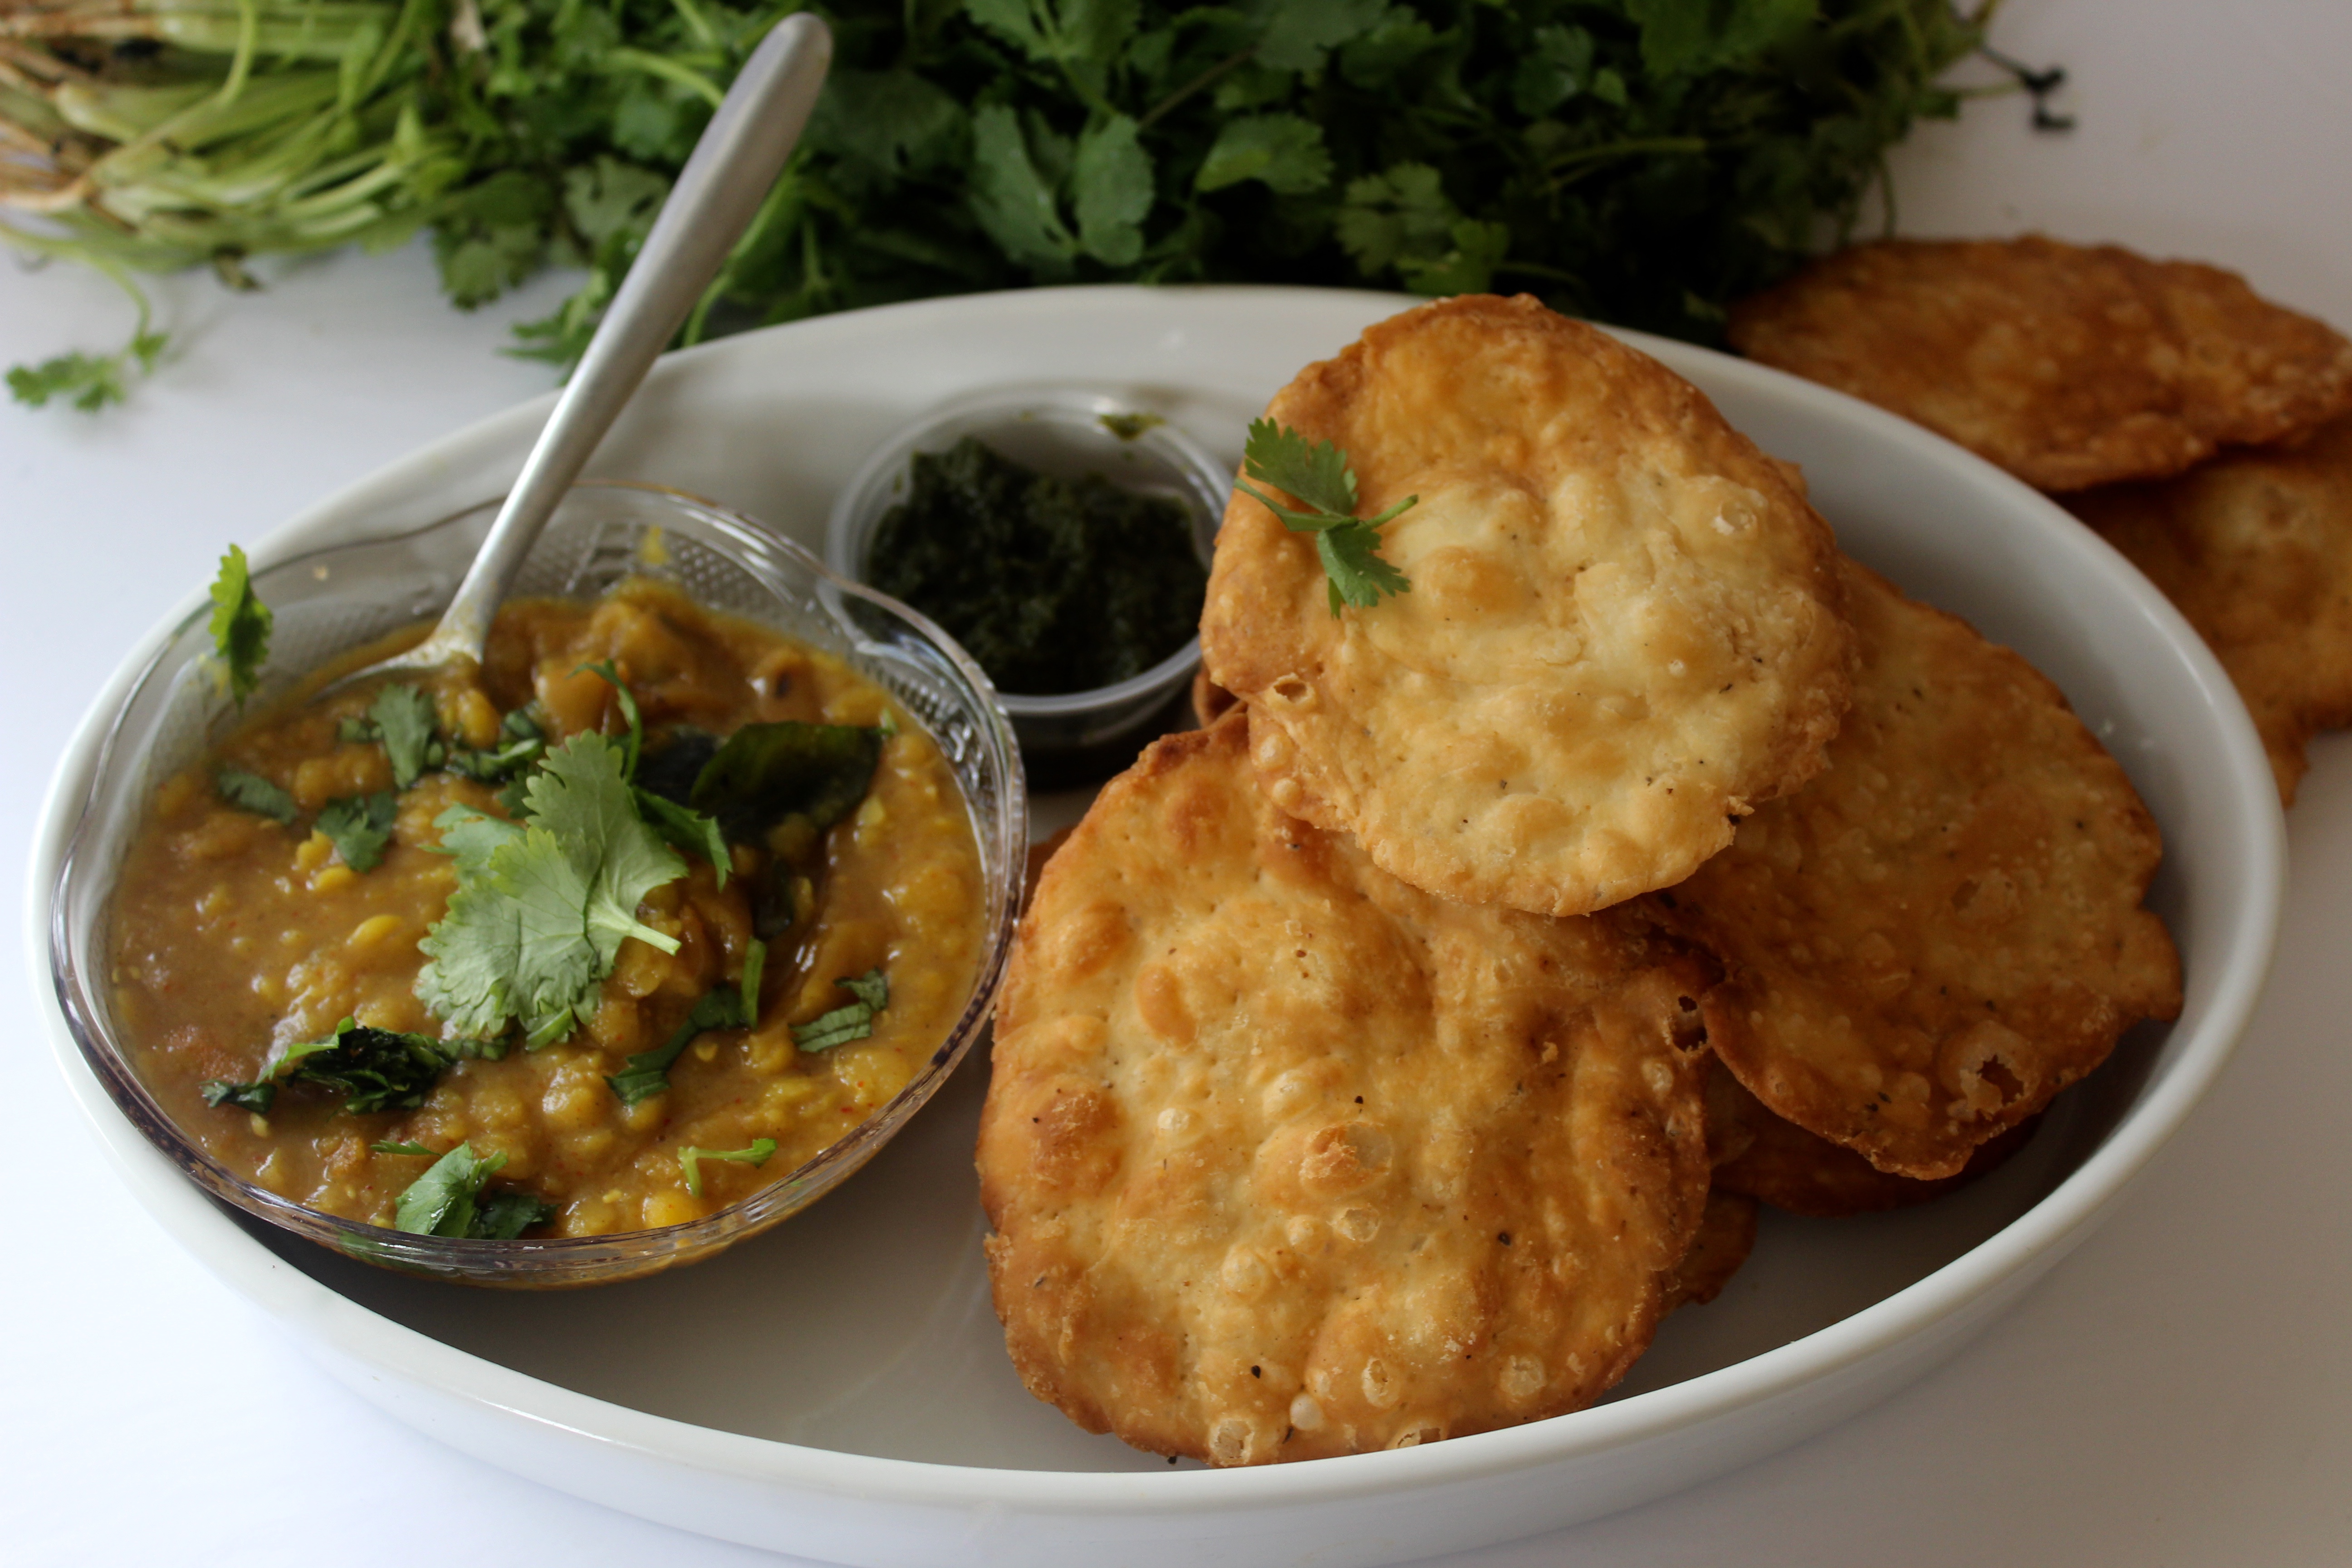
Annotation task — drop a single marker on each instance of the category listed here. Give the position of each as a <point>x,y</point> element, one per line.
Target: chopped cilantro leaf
<point>442,1201</point>
<point>685,829</point>
<point>240,625</point>
<point>256,1097</point>
<point>647,1073</point>
<point>360,826</point>
<point>251,792</point>
<point>691,1160</point>
<point>540,911</point>
<point>389,1147</point>
<point>853,1022</point>
<point>404,716</point>
<point>354,730</point>
<point>635,744</point>
<point>1318,473</point>
<point>502,1216</point>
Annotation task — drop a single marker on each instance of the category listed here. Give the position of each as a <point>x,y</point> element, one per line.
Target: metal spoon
<point>729,174</point>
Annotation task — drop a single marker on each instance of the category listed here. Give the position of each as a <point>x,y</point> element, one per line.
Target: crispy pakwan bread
<point>1727,1235</point>
<point>1285,1158</point>
<point>1623,628</point>
<point>1943,929</point>
<point>1780,1164</point>
<point>2257,549</point>
<point>2068,365</point>
<point>1210,701</point>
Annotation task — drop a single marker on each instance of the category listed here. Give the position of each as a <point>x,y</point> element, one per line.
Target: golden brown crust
<point>1727,1235</point>
<point>1285,1158</point>
<point>2255,548</point>
<point>1943,929</point>
<point>1211,702</point>
<point>1623,630</point>
<point>1782,1164</point>
<point>2068,365</point>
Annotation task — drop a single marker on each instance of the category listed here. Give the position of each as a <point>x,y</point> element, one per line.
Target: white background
<point>2177,1393</point>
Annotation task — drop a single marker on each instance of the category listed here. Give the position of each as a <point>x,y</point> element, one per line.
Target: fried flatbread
<point>2257,549</point>
<point>1944,929</point>
<point>1622,630</point>
<point>1782,1164</point>
<point>1285,1158</point>
<point>1210,701</point>
<point>2068,365</point>
<point>1727,1235</point>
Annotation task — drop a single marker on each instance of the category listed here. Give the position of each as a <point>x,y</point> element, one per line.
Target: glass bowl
<point>331,601</point>
<point>1067,431</point>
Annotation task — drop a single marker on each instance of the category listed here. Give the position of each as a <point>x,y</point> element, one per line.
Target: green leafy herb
<point>360,826</point>
<point>853,1022</point>
<point>764,772</point>
<point>240,625</point>
<point>447,1200</point>
<point>1318,474</point>
<point>256,1097</point>
<point>412,1150</point>
<point>251,792</point>
<point>354,730</point>
<point>1641,161</point>
<point>90,382</point>
<point>647,1073</point>
<point>377,1069</point>
<point>755,964</point>
<point>691,1160</point>
<point>540,910</point>
<point>405,721</point>
<point>522,741</point>
<point>679,826</point>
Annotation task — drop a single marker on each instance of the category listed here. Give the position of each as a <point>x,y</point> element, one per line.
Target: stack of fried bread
<point>2205,432</point>
<point>1382,1061</point>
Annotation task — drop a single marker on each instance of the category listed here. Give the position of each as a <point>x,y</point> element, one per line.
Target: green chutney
<point>1053,584</point>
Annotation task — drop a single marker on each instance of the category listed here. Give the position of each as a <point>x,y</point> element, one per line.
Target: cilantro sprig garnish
<point>406,722</point>
<point>240,625</point>
<point>852,1022</point>
<point>542,908</point>
<point>690,1160</point>
<point>1318,474</point>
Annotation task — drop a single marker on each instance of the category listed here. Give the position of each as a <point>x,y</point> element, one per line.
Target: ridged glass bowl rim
<point>1079,403</point>
<point>569,1259</point>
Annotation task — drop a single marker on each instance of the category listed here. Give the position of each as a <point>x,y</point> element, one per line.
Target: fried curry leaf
<point>764,772</point>
<point>853,1022</point>
<point>404,717</point>
<point>690,1160</point>
<point>251,792</point>
<point>240,625</point>
<point>1318,473</point>
<point>360,826</point>
<point>540,910</point>
<point>647,1073</point>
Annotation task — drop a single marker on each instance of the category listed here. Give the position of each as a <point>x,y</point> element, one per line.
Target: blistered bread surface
<point>1621,631</point>
<point>1946,928</point>
<point>1284,1158</point>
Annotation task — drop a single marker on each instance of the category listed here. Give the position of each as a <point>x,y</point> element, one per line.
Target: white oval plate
<point>838,1388</point>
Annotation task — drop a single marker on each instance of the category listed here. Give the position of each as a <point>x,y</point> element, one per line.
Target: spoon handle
<point>729,174</point>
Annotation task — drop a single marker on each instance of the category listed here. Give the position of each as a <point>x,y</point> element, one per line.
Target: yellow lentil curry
<point>235,936</point>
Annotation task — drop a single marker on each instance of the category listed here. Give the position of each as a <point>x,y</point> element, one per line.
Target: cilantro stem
<point>1207,79</point>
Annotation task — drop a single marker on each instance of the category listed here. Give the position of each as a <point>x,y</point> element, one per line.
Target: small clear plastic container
<point>333,600</point>
<point>1067,431</point>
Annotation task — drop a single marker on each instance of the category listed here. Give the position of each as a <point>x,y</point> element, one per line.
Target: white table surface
<point>2180,1392</point>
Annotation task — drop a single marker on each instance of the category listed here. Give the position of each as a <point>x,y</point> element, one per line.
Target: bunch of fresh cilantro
<point>1641,161</point>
